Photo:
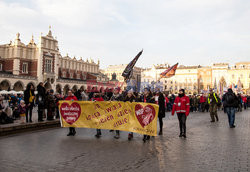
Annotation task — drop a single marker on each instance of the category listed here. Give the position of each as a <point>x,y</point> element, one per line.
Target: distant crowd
<point>20,107</point>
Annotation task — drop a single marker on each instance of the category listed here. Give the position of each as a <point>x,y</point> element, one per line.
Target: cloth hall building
<point>33,63</point>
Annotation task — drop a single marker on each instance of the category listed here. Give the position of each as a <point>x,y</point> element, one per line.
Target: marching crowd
<point>22,106</point>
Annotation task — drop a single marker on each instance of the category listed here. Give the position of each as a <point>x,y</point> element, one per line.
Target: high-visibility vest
<point>214,97</point>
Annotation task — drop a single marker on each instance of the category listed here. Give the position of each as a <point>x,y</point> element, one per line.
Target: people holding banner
<point>97,97</point>
<point>71,97</point>
<point>130,97</point>
<point>160,100</point>
<point>181,107</point>
<point>147,97</point>
<point>116,97</point>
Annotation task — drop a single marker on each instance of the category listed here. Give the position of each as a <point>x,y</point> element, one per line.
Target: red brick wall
<point>33,68</point>
<point>8,65</point>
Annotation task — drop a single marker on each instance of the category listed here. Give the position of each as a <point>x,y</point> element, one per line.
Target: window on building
<point>25,68</point>
<point>78,76</point>
<point>48,65</point>
<point>64,74</point>
<point>71,75</point>
<point>166,87</point>
<point>1,66</point>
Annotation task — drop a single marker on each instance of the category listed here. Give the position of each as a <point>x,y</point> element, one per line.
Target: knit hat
<point>182,91</point>
<point>117,88</point>
<point>131,91</point>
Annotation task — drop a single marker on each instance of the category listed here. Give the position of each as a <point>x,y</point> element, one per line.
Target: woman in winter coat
<point>29,97</point>
<point>160,100</point>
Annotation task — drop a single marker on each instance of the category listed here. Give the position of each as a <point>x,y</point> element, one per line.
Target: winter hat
<point>117,88</point>
<point>131,91</point>
<point>147,88</point>
<point>230,90</point>
<point>182,91</point>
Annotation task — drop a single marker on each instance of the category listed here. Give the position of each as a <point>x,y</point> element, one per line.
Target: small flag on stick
<point>169,72</point>
<point>128,71</point>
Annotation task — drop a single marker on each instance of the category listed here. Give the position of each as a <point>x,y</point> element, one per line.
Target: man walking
<point>213,101</point>
<point>182,107</point>
<point>230,103</point>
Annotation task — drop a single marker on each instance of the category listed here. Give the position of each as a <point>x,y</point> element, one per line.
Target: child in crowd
<point>22,110</point>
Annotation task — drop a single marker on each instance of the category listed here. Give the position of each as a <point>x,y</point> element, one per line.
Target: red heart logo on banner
<point>70,113</point>
<point>145,115</point>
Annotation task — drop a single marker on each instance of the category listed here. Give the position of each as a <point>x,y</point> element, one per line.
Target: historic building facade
<point>197,79</point>
<point>22,64</point>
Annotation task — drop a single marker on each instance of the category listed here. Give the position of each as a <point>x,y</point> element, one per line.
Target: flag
<point>169,72</point>
<point>128,71</point>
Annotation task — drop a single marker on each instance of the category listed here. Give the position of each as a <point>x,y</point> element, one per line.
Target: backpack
<point>230,98</point>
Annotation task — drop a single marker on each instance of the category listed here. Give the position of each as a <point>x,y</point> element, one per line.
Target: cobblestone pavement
<point>208,147</point>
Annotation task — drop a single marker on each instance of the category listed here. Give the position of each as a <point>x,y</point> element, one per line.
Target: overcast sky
<point>190,32</point>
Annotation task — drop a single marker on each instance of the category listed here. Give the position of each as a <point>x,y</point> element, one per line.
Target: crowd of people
<point>47,101</point>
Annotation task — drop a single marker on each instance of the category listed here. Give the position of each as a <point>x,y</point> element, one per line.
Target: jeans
<point>231,115</point>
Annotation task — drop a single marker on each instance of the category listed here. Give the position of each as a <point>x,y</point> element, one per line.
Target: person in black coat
<point>160,100</point>
<point>40,100</point>
<point>29,97</point>
<point>230,103</point>
<point>147,97</point>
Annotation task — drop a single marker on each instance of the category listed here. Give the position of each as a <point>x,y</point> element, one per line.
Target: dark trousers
<point>72,130</point>
<point>29,113</point>
<point>40,113</point>
<point>161,123</point>
<point>98,131</point>
<point>182,122</point>
<point>203,107</point>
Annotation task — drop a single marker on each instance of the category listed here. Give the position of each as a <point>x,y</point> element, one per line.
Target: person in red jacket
<point>71,97</point>
<point>203,100</point>
<point>181,106</point>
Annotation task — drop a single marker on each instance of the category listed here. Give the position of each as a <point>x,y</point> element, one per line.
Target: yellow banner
<point>112,115</point>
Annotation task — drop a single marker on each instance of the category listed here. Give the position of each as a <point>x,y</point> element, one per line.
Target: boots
<point>160,132</point>
<point>130,136</point>
<point>117,136</point>
<point>98,134</point>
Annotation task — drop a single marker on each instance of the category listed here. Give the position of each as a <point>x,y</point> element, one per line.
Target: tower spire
<point>50,33</point>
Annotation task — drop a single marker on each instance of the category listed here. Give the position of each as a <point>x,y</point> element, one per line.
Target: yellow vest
<point>214,97</point>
